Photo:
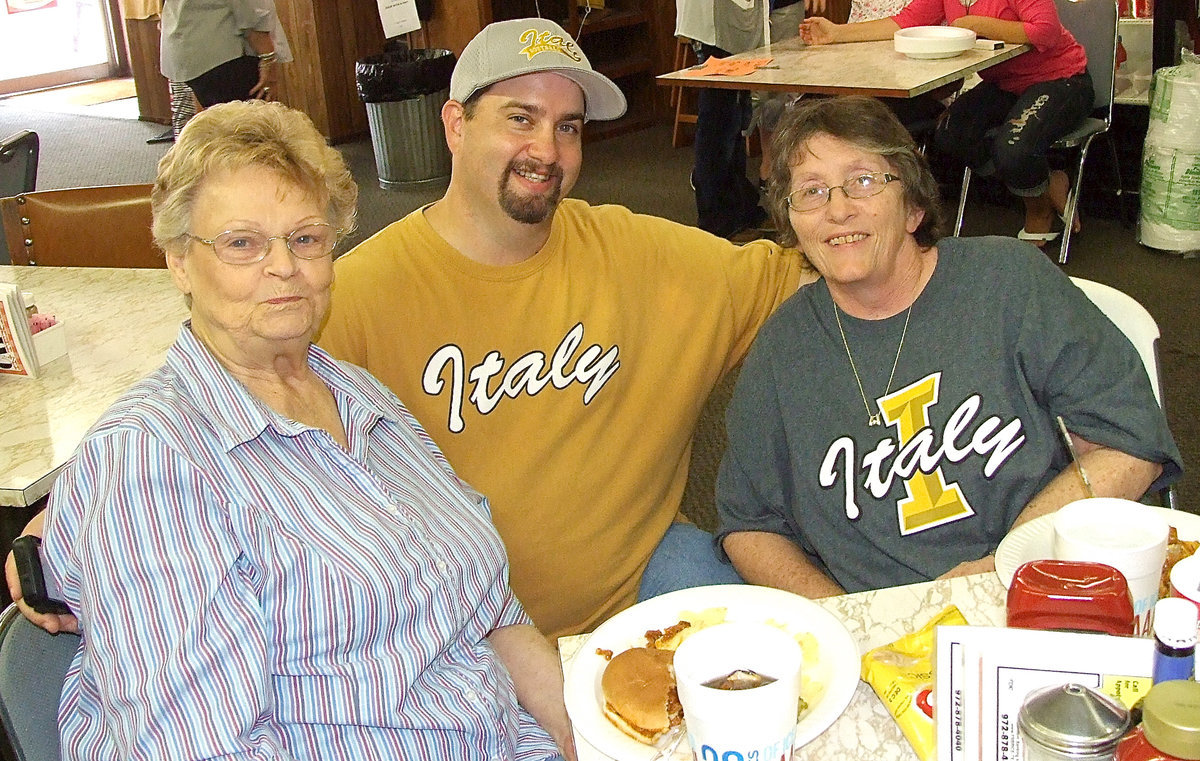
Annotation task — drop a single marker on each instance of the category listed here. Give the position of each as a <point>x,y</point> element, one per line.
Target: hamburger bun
<point>640,697</point>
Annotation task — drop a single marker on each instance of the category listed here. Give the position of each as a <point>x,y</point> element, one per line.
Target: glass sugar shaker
<point>1070,722</point>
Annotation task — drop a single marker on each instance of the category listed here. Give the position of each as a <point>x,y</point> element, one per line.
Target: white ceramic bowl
<point>933,41</point>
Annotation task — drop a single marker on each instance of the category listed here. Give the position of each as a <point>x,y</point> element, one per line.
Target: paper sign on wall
<point>398,17</point>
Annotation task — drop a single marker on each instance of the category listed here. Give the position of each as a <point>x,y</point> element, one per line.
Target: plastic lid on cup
<point>1175,621</point>
<point>1171,718</point>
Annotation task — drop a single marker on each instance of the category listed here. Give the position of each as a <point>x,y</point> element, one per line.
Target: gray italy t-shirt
<point>998,344</point>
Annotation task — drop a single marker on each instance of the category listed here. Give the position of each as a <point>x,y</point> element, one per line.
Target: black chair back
<point>18,171</point>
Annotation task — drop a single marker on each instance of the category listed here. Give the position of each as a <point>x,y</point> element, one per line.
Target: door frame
<point>117,64</point>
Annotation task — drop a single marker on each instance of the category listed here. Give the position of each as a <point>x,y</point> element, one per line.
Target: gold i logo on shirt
<point>931,501</point>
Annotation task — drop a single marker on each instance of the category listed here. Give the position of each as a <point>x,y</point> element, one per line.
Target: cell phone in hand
<point>33,581</point>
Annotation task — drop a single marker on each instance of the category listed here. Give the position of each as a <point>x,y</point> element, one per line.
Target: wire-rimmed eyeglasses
<point>813,196</point>
<point>311,241</point>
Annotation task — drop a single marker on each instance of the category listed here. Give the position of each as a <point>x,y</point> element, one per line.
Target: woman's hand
<point>818,31</point>
<point>813,8</point>
<point>533,664</point>
<point>48,621</point>
<point>267,76</point>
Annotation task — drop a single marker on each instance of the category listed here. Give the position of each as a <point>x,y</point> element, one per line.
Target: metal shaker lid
<point>1072,719</point>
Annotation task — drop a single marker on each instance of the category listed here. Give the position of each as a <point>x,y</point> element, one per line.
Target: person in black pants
<point>726,200</point>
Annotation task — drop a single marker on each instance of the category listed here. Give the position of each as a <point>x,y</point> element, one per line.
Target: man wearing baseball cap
<point>558,353</point>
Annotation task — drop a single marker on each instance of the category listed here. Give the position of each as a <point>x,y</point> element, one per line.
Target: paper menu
<point>986,673</point>
<point>17,353</point>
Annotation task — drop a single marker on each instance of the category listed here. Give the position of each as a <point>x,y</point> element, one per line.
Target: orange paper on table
<point>729,67</point>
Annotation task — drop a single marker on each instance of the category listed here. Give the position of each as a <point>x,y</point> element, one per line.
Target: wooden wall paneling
<point>364,37</point>
<point>327,39</point>
<point>455,22</point>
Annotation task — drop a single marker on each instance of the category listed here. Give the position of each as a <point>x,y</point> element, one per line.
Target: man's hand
<point>817,30</point>
<point>48,621</point>
<point>970,567</point>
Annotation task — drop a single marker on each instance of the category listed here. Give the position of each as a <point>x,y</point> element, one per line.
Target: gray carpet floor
<point>644,172</point>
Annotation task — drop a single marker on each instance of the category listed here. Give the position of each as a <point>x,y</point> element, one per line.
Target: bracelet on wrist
<point>267,57</point>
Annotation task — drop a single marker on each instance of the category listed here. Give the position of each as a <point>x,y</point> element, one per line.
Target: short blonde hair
<point>248,133</point>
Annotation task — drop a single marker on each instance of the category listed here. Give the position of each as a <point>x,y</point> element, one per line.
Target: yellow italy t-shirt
<point>566,387</point>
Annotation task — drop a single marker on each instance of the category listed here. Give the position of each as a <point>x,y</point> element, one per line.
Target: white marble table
<point>119,325</point>
<point>866,732</point>
<point>859,68</point>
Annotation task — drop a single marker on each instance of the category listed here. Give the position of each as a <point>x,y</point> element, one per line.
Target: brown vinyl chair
<point>104,226</point>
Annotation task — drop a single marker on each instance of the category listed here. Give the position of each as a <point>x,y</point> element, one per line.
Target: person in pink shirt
<point>1005,125</point>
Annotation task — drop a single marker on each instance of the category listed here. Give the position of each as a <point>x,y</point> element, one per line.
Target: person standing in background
<point>726,200</point>
<point>224,50</point>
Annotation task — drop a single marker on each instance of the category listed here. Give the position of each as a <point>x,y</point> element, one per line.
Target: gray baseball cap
<point>508,49</point>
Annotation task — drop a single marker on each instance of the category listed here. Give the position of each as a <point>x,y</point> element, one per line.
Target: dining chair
<point>1132,319</point>
<point>18,170</point>
<point>102,226</point>
<point>1094,24</point>
<point>33,664</point>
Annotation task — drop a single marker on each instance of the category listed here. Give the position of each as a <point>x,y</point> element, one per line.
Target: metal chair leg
<point>962,200</point>
<point>1064,250</point>
<point>1116,162</point>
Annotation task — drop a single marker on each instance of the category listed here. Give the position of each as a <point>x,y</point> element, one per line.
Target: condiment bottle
<point>1174,639</point>
<point>1170,728</point>
<point>1069,722</point>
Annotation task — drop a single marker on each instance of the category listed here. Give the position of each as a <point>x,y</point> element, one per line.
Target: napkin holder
<point>50,344</point>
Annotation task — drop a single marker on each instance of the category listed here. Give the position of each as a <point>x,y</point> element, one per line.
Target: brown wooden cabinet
<point>619,41</point>
<point>141,40</point>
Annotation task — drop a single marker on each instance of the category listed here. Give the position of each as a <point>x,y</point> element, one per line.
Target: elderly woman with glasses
<point>268,556</point>
<point>895,419</point>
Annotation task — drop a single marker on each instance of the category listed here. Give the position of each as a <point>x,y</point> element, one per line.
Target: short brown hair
<point>248,133</point>
<point>868,125</point>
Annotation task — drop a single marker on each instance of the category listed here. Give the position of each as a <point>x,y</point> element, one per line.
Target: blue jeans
<point>1001,133</point>
<point>685,558</point>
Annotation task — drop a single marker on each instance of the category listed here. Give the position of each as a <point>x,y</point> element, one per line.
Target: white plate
<point>1035,540</point>
<point>837,670</point>
<point>933,41</point>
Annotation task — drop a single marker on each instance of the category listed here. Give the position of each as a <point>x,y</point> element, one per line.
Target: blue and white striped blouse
<point>249,589</point>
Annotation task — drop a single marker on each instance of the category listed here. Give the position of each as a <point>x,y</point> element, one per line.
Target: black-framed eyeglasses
<point>814,196</point>
<point>311,241</point>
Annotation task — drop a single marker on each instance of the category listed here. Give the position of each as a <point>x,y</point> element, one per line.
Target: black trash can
<point>404,91</point>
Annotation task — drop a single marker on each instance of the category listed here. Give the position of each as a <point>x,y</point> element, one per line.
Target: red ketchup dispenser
<point>1071,595</point>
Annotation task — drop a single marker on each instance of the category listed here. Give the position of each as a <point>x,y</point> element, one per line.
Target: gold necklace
<point>873,419</point>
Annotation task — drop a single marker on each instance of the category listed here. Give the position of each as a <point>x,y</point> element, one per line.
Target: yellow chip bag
<point>902,676</point>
